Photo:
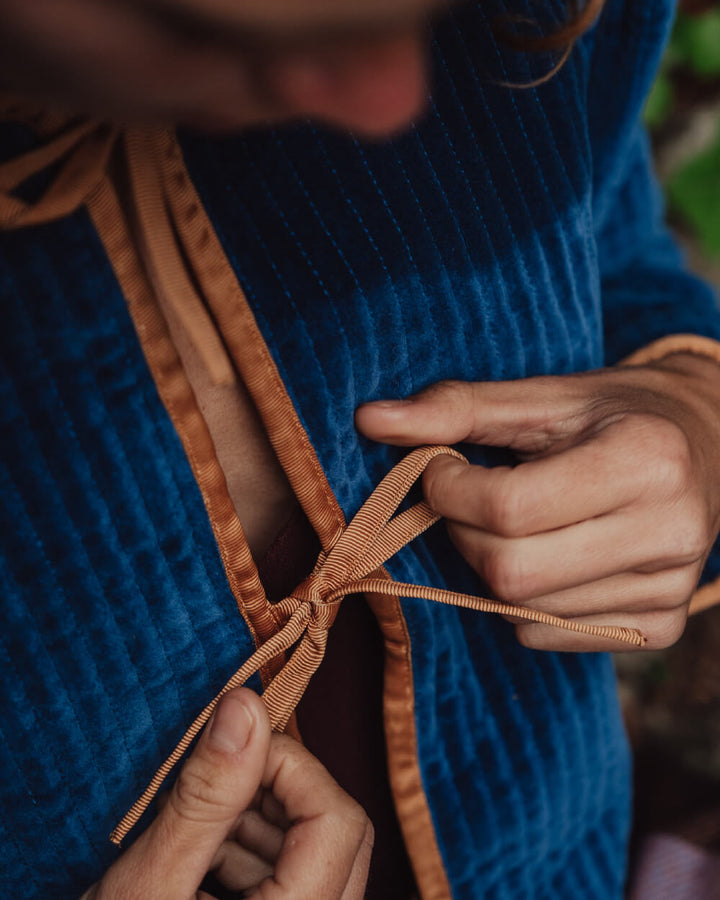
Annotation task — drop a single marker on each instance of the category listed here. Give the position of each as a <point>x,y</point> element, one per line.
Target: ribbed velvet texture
<point>118,623</point>
<point>511,233</point>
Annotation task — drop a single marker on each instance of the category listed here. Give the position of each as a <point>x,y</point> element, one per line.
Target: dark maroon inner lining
<point>340,717</point>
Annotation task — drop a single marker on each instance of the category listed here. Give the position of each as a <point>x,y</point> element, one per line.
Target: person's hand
<point>259,812</point>
<point>351,63</point>
<point>610,514</point>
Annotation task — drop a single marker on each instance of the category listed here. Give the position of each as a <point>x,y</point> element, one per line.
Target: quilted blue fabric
<point>510,233</point>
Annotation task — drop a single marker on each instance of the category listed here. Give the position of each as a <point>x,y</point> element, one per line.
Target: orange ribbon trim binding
<point>352,566</point>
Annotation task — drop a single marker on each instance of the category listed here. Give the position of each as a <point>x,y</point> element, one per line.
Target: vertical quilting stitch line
<point>518,345</point>
<point>12,838</point>
<point>312,268</point>
<point>563,678</point>
<point>141,505</point>
<point>549,194</point>
<point>439,256</point>
<point>39,544</point>
<point>360,220</point>
<point>56,762</point>
<point>443,193</point>
<point>583,140</point>
<point>542,258</point>
<point>14,491</point>
<point>503,738</point>
<point>188,524</point>
<point>100,587</point>
<point>411,258</point>
<point>367,232</point>
<point>537,316</point>
<point>361,292</point>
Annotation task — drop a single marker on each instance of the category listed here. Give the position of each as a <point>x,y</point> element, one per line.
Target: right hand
<point>258,811</point>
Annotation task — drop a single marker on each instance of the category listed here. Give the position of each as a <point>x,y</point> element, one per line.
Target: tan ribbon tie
<point>351,566</point>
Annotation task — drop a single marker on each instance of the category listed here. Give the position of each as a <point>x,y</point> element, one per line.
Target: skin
<point>221,65</point>
<point>255,809</point>
<point>613,508</point>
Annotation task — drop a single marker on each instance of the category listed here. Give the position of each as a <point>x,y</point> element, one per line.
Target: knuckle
<point>455,394</point>
<point>678,586</point>
<point>667,456</point>
<point>195,798</point>
<point>432,483</point>
<point>688,537</point>
<point>351,821</point>
<point>505,573</point>
<point>459,399</point>
<point>450,386</point>
<point>354,812</point>
<point>506,509</point>
<point>666,629</point>
<point>369,836</point>
<point>530,637</point>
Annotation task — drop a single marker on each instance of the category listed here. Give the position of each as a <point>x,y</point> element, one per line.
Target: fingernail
<point>390,404</point>
<point>231,726</point>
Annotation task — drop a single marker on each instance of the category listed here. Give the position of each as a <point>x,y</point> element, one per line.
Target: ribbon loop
<point>83,149</point>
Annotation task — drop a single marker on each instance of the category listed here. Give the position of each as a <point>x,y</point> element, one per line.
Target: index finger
<point>324,848</point>
<point>570,486</point>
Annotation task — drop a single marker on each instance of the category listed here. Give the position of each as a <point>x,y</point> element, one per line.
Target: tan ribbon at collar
<point>82,151</point>
<point>352,566</point>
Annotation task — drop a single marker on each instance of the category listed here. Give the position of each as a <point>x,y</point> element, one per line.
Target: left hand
<point>613,509</point>
<point>258,811</point>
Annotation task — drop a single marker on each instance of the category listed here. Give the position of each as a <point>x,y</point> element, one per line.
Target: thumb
<point>528,415</point>
<point>216,784</point>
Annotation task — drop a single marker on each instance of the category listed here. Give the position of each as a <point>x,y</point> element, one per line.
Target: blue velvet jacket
<point>511,233</point>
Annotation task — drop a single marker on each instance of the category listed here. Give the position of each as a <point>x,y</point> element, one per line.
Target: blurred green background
<point>683,115</point>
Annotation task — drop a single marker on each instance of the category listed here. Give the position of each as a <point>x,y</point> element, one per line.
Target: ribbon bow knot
<point>319,597</point>
<point>351,566</point>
